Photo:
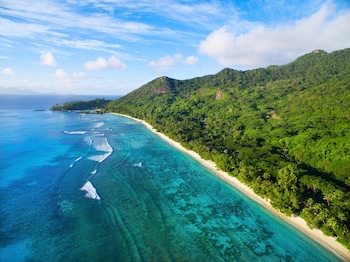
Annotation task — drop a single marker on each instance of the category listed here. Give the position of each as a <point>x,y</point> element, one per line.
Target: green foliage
<point>81,105</point>
<point>282,130</point>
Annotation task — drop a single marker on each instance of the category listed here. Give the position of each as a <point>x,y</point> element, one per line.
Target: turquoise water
<point>156,203</point>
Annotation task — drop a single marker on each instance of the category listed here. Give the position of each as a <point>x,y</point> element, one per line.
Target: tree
<point>330,195</point>
<point>333,223</point>
<point>286,177</point>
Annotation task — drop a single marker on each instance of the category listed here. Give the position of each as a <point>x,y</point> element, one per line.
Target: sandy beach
<point>326,241</point>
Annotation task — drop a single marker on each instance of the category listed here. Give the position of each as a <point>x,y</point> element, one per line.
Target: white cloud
<point>164,63</point>
<point>114,62</point>
<point>78,75</point>
<point>191,60</point>
<point>101,63</point>
<point>60,74</point>
<point>167,62</point>
<point>48,59</point>
<point>262,45</point>
<point>7,71</point>
<point>17,29</point>
<point>86,44</point>
<point>41,19</point>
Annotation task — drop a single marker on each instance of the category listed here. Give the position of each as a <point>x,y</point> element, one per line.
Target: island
<point>95,106</point>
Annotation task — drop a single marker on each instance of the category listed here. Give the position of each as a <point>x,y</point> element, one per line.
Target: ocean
<point>88,187</point>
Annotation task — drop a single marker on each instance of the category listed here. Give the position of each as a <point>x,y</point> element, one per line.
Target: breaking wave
<point>101,144</point>
<point>75,132</point>
<point>90,191</point>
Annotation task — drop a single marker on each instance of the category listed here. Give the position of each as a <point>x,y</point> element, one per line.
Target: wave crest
<point>91,191</point>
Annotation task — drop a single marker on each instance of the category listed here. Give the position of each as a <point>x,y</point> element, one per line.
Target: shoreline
<point>317,235</point>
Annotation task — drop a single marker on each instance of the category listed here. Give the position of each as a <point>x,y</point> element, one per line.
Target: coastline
<point>328,242</point>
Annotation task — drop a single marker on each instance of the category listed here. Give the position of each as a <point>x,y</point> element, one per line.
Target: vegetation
<point>282,130</point>
<point>96,104</point>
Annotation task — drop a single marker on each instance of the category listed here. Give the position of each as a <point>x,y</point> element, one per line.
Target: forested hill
<point>282,130</point>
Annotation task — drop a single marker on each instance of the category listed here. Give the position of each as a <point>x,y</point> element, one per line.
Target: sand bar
<point>328,242</point>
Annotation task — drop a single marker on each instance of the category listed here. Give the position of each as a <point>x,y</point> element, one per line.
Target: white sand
<point>299,223</point>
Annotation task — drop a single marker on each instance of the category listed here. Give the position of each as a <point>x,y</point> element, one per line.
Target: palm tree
<point>333,223</point>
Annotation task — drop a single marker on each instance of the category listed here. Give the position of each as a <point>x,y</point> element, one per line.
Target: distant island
<point>92,106</point>
<point>16,91</point>
<point>281,130</point>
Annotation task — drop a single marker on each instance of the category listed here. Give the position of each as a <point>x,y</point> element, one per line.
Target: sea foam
<point>101,144</point>
<point>98,134</point>
<point>99,158</point>
<point>88,140</point>
<point>91,191</point>
<point>99,124</point>
<point>76,160</point>
<point>79,158</point>
<point>75,132</point>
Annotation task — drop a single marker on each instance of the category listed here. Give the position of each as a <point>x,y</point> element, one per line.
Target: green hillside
<point>282,130</point>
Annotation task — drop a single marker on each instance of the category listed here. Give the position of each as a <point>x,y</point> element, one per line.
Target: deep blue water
<point>156,203</point>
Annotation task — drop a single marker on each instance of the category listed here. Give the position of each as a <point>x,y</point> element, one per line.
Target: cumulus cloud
<point>48,59</point>
<point>262,45</point>
<point>101,63</point>
<point>7,71</point>
<point>191,60</point>
<point>167,62</point>
<point>61,74</point>
<point>78,75</point>
<point>114,62</point>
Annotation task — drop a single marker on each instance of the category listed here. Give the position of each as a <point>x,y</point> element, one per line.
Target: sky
<point>112,47</point>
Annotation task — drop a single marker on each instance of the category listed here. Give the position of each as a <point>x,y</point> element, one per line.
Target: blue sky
<point>115,46</point>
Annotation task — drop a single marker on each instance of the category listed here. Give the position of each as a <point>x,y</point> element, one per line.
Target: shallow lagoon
<point>157,204</point>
